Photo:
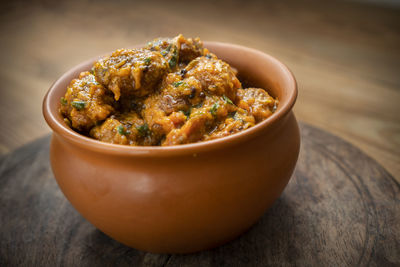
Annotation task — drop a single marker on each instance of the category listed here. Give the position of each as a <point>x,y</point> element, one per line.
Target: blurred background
<point>344,54</point>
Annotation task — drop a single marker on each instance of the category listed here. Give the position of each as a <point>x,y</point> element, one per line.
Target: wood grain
<point>344,54</point>
<point>340,208</point>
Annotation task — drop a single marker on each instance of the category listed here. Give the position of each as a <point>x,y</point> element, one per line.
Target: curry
<point>172,91</point>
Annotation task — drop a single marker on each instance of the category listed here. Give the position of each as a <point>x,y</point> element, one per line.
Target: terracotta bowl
<point>185,198</point>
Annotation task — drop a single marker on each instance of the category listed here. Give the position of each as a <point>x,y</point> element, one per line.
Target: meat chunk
<point>189,87</point>
<point>130,103</point>
<point>215,76</point>
<point>178,50</point>
<point>192,131</point>
<point>189,48</point>
<point>161,122</point>
<point>124,129</point>
<point>200,121</point>
<point>131,71</point>
<point>180,94</point>
<point>257,102</point>
<point>86,102</point>
<point>236,121</point>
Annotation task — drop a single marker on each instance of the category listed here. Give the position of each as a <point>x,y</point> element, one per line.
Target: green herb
<point>227,100</point>
<point>143,129</point>
<point>63,101</point>
<point>121,130</point>
<point>176,84</point>
<point>147,60</point>
<point>165,51</point>
<point>214,109</point>
<point>174,59</point>
<point>78,104</point>
<point>198,105</point>
<point>67,122</point>
<point>232,114</point>
<point>187,112</point>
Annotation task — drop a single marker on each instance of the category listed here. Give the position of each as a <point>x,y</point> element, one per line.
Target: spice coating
<point>173,91</point>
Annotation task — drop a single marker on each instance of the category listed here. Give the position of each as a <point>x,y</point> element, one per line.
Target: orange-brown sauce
<point>173,91</point>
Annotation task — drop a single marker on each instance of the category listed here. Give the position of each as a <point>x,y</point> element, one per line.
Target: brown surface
<point>345,56</point>
<point>340,209</point>
<point>189,197</point>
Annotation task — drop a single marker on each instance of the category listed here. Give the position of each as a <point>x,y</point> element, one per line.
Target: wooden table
<point>345,56</point>
<point>340,208</point>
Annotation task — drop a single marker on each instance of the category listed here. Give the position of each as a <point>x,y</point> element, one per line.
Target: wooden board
<point>340,209</point>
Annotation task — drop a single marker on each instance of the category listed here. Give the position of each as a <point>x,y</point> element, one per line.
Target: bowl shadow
<point>269,240</point>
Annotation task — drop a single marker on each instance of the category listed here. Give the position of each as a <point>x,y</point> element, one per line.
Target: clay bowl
<point>185,198</point>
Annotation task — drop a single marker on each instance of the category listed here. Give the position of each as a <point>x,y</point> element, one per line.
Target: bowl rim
<point>61,129</point>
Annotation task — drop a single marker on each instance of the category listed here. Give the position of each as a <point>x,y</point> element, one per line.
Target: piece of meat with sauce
<point>202,77</point>
<point>180,94</point>
<point>200,120</point>
<point>215,76</point>
<point>124,129</point>
<point>159,121</point>
<point>131,71</point>
<point>163,110</point>
<point>130,103</point>
<point>236,121</point>
<point>178,50</point>
<point>86,102</point>
<point>192,131</point>
<point>257,102</point>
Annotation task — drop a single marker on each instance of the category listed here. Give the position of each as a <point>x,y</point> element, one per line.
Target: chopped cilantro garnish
<point>147,60</point>
<point>176,84</point>
<point>214,109</point>
<point>174,59</point>
<point>121,130</point>
<point>232,114</point>
<point>79,104</point>
<point>187,112</point>
<point>143,129</point>
<point>67,121</point>
<point>227,100</point>
<point>198,105</point>
<point>63,101</point>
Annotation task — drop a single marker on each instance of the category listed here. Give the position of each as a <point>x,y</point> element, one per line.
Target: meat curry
<point>172,91</point>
